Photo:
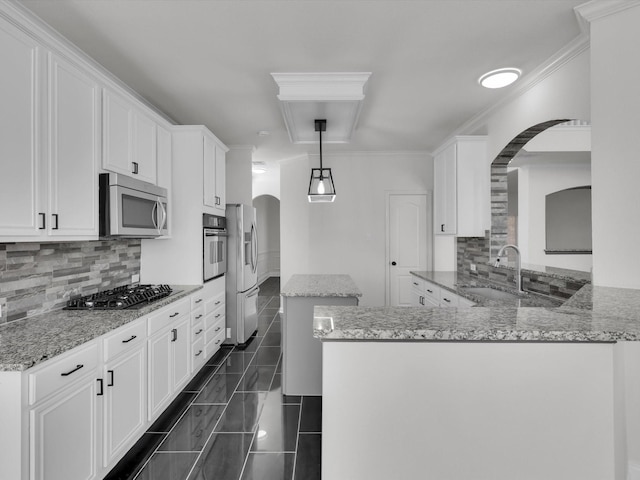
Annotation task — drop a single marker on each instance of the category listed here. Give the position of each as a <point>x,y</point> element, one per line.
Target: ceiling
<point>210,61</point>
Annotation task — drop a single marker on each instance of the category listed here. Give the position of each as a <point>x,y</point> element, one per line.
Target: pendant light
<point>321,188</point>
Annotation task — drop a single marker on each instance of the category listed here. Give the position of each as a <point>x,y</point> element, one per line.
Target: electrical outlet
<point>228,333</point>
<point>135,278</point>
<point>473,267</point>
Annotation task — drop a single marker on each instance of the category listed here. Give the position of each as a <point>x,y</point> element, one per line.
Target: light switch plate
<point>473,267</point>
<point>135,278</point>
<point>228,333</point>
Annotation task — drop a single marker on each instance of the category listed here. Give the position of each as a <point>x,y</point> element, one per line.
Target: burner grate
<point>126,296</point>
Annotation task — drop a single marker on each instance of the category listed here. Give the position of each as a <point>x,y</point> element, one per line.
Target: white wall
<point>268,224</point>
<point>347,236</point>
<point>267,183</point>
<point>615,76</point>
<point>535,182</point>
<point>238,174</point>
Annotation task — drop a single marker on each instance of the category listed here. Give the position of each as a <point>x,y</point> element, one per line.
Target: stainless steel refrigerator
<point>242,273</point>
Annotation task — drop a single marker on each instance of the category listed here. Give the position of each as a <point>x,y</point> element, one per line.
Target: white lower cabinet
<point>125,402</point>
<point>65,433</point>
<point>427,294</point>
<point>169,366</point>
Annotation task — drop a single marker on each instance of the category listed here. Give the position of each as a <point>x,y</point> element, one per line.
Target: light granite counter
<point>594,314</point>
<point>27,342</point>
<point>319,285</point>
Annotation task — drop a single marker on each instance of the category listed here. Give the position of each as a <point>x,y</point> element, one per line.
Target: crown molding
<point>598,9</point>
<point>566,54</point>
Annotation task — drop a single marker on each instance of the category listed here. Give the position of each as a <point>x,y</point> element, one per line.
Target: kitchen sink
<point>492,293</point>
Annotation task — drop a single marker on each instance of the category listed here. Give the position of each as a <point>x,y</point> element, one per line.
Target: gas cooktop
<point>127,296</point>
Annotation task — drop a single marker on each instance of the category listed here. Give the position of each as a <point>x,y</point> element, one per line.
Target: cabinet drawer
<point>197,315</point>
<point>125,338</point>
<point>168,315</point>
<point>448,299</point>
<point>58,373</point>
<point>214,345</point>
<point>198,354</point>
<point>213,318</point>
<point>432,292</point>
<point>214,329</point>
<point>465,303</point>
<point>214,303</point>
<point>198,299</point>
<point>197,331</point>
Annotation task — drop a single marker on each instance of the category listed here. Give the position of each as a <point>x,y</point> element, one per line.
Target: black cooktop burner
<point>128,296</point>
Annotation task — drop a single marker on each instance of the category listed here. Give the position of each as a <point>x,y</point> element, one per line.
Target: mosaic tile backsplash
<point>476,250</point>
<point>39,277</point>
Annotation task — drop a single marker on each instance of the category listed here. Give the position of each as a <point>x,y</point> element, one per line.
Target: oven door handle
<point>207,234</point>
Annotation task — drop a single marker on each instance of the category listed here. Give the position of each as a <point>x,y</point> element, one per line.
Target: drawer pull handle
<point>198,300</point>
<point>218,315</point>
<point>218,302</point>
<point>129,339</point>
<point>199,352</point>
<point>66,374</point>
<point>199,317</point>
<point>110,384</point>
<point>177,313</point>
<point>101,391</point>
<point>174,333</point>
<point>415,284</point>
<point>199,332</point>
<point>217,329</point>
<point>447,300</point>
<point>217,341</point>
<point>430,291</point>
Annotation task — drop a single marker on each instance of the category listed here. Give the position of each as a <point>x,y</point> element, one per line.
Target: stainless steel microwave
<point>131,208</point>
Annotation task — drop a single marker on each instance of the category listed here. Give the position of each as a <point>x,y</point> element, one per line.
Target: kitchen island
<point>302,353</point>
<point>482,393</point>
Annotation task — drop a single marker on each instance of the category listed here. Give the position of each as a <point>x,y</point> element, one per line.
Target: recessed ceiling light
<point>259,167</point>
<point>499,78</point>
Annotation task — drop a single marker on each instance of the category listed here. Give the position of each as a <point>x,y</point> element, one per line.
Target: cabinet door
<point>117,128</point>
<point>73,151</point>
<point>160,372</point>
<point>445,192</point>
<point>64,433</point>
<point>19,165</point>
<point>144,148</point>
<point>209,172</point>
<point>181,354</point>
<point>221,167</point>
<point>125,402</point>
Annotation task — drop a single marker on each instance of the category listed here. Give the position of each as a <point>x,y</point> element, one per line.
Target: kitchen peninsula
<point>302,353</point>
<point>484,392</point>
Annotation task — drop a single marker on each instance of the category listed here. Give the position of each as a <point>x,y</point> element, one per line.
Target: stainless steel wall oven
<point>214,254</point>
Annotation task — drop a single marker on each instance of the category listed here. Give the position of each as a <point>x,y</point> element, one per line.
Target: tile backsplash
<point>476,250</point>
<point>38,277</point>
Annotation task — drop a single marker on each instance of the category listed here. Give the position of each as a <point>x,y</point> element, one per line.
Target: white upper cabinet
<point>73,151</point>
<point>19,164</point>
<point>462,188</point>
<point>214,171</point>
<point>129,139</point>
<point>48,144</point>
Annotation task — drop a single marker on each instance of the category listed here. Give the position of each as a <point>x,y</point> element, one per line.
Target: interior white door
<point>407,244</point>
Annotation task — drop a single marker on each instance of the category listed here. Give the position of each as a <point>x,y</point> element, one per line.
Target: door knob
<point>393,263</point>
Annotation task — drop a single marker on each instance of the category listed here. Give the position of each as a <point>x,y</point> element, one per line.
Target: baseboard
<point>633,471</point>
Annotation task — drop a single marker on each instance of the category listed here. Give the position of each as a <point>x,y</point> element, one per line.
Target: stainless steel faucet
<point>518,264</point>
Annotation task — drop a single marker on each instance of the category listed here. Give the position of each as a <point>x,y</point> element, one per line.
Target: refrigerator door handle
<point>253,292</point>
<point>254,248</point>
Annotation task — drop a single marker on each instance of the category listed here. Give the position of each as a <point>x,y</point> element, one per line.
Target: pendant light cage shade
<point>321,188</point>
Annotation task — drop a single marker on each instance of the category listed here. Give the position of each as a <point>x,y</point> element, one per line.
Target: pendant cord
<point>321,150</point>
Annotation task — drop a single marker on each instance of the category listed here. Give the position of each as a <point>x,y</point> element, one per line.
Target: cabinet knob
<point>393,263</point>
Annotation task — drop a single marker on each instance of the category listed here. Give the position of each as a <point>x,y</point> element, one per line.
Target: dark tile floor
<point>232,421</point>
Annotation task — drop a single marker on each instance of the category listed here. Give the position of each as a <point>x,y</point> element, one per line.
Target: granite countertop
<point>319,285</point>
<point>456,283</point>
<point>593,314</point>
<point>27,342</point>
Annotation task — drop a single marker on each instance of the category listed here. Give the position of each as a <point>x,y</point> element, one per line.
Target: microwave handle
<point>153,216</point>
<point>162,224</point>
